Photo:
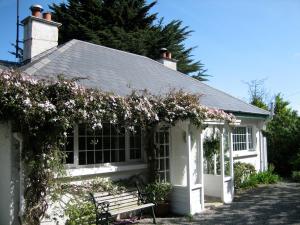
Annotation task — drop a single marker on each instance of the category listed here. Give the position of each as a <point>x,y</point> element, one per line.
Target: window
<point>162,154</point>
<point>100,145</point>
<point>69,147</point>
<point>242,138</point>
<point>135,144</point>
<point>87,146</point>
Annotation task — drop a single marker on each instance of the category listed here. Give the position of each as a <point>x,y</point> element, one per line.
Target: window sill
<point>245,153</point>
<point>104,168</point>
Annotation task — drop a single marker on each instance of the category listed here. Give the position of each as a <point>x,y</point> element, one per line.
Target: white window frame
<point>247,150</point>
<point>114,164</point>
<point>166,172</point>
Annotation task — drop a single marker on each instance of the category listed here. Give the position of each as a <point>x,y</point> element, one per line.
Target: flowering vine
<point>43,110</point>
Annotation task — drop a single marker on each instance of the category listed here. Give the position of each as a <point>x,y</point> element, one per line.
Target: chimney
<point>166,59</point>
<point>40,33</point>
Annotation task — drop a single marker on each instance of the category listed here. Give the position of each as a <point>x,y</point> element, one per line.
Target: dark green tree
<point>127,25</point>
<point>283,133</point>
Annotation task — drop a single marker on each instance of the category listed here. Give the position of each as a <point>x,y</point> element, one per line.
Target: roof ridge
<point>114,49</point>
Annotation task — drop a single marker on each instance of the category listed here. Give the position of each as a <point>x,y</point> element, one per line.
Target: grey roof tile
<point>119,72</point>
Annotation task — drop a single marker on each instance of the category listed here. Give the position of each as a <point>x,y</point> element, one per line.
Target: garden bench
<point>109,205</point>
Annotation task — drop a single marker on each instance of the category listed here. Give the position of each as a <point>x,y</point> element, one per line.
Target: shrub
<point>296,176</point>
<point>267,177</point>
<point>80,212</point>
<point>158,192</point>
<point>242,172</point>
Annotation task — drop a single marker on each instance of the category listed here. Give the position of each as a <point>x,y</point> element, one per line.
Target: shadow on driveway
<point>274,204</point>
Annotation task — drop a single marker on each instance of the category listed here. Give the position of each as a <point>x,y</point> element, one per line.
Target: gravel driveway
<point>273,204</point>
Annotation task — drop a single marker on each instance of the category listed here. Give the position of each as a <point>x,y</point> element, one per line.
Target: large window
<point>106,145</point>
<point>162,154</point>
<point>242,138</point>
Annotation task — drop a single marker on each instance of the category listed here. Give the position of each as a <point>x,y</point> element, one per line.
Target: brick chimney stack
<point>166,59</point>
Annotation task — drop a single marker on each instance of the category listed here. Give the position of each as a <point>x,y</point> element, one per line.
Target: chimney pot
<point>163,53</point>
<point>47,16</point>
<point>169,55</point>
<point>36,10</point>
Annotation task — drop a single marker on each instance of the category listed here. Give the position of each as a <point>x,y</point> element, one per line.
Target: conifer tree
<point>126,25</point>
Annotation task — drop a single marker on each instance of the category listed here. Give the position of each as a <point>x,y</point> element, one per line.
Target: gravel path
<point>273,204</point>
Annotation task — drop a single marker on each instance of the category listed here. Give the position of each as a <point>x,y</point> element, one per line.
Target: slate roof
<point>118,71</point>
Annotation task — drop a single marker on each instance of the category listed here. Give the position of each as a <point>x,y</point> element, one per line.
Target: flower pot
<point>162,209</point>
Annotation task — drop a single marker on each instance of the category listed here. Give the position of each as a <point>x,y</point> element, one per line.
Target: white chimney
<point>40,33</point>
<point>166,59</point>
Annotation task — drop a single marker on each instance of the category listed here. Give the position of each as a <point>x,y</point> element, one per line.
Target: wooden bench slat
<point>105,198</point>
<point>129,209</point>
<point>117,199</point>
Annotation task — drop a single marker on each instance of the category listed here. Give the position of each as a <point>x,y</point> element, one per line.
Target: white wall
<point>213,185</point>
<point>180,200</point>
<point>9,182</point>
<point>178,157</point>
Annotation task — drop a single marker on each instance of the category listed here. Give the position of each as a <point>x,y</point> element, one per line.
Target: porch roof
<point>120,72</point>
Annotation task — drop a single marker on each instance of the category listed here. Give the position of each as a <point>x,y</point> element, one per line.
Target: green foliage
<point>242,172</point>
<point>296,176</point>
<point>158,192</point>
<point>79,209</point>
<point>283,135</point>
<point>80,213</point>
<point>259,103</point>
<point>126,25</point>
<point>211,146</point>
<point>252,179</point>
<point>267,177</point>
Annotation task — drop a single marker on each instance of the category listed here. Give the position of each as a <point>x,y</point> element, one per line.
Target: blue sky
<point>237,40</point>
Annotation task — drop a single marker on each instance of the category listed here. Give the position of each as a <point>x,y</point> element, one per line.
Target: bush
<point>158,192</point>
<point>267,177</point>
<point>242,172</point>
<point>80,213</point>
<point>296,176</point>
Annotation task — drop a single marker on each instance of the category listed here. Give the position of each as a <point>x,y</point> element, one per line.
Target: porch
<point>194,174</point>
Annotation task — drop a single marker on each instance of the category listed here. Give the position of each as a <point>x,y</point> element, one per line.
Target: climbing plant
<point>42,111</point>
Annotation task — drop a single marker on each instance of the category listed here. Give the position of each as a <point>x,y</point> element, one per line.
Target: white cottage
<point>181,159</point>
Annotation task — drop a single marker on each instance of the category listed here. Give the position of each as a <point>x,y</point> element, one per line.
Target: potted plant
<point>157,193</point>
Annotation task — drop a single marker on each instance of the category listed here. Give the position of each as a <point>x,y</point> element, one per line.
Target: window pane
<point>98,157</point>
<point>90,157</point>
<point>106,129</point>
<point>69,157</point>
<point>81,129</point>
<point>82,158</point>
<point>135,144</point>
<point>106,156</point>
<point>122,156</point>
<point>90,143</point>
<point>81,142</point>
<point>106,142</point>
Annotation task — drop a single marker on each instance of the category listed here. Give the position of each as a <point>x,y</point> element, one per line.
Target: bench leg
<point>140,214</point>
<point>153,215</point>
